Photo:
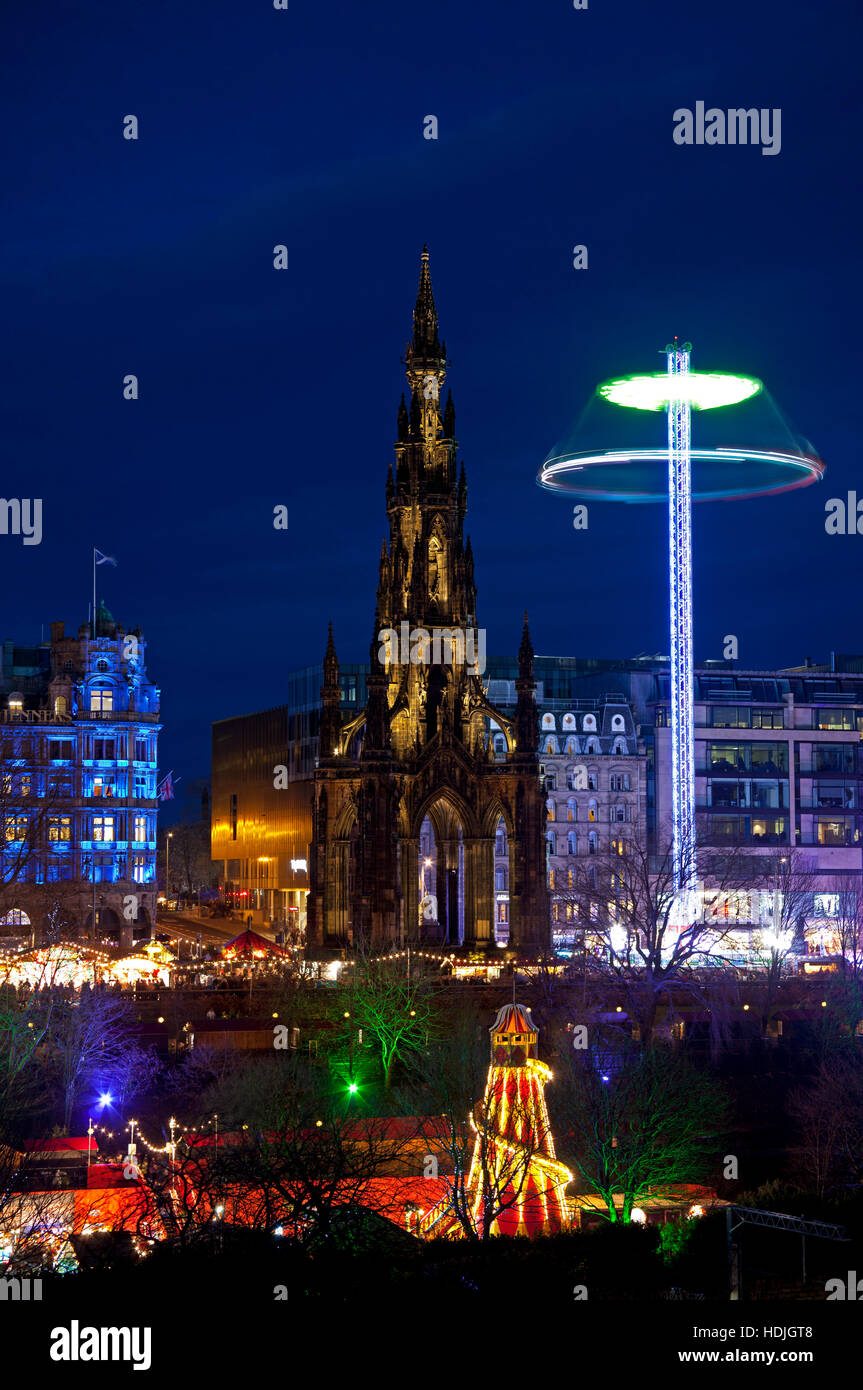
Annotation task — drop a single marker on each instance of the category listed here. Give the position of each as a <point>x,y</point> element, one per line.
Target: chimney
<point>57,630</point>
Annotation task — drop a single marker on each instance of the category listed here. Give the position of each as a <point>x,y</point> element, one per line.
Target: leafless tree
<point>640,1121</point>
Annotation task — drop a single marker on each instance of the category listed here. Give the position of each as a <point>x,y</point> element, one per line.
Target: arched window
<point>569,721</point>
<point>592,842</point>
<point>60,704</point>
<point>551,745</point>
<point>499,743</point>
<point>572,745</point>
<point>593,746</point>
<point>551,781</point>
<point>619,746</point>
<point>570,808</point>
<point>571,844</point>
<point>589,724</point>
<point>548,721</point>
<point>549,809</point>
<point>550,839</point>
<point>501,875</point>
<point>591,810</point>
<point>570,880</point>
<point>500,847</point>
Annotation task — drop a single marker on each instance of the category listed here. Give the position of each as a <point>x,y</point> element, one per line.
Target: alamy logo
<point>21,517</point>
<point>737,126</point>
<point>76,1343</point>
<point>21,1290</point>
<point>442,646</point>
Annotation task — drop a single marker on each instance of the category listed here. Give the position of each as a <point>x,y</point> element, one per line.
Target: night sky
<point>259,387</point>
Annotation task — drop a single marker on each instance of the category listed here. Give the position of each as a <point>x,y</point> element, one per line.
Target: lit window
<point>103,827</point>
<point>140,828</point>
<point>59,828</point>
<point>101,699</point>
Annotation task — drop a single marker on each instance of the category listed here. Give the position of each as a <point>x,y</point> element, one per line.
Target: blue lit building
<point>79,728</point>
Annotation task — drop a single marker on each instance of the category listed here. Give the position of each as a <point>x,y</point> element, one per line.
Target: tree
<point>89,1042</point>
<point>627,909</point>
<point>391,1007</point>
<point>640,1120</point>
<point>788,878</point>
<point>829,1116</point>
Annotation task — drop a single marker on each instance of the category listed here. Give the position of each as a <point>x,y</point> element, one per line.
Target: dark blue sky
<point>260,387</point>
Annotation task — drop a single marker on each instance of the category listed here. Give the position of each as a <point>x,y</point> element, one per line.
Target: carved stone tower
<point>417,761</point>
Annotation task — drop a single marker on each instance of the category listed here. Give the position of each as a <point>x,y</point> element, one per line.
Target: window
<point>625,781</point>
<point>616,848</point>
<point>572,746</point>
<point>549,809</point>
<point>551,746</point>
<point>767,719</point>
<point>834,795</point>
<point>16,828</point>
<point>142,789</point>
<point>769,758</point>
<point>551,782</point>
<point>60,704</point>
<point>503,912</point>
<point>139,868</point>
<point>555,912</point>
<point>104,749</point>
<point>59,827</point>
<point>834,757</point>
<point>140,828</point>
<point>619,746</point>
<point>570,880</point>
<point>836,832</point>
<point>142,752</point>
<point>592,782</point>
<point>731,717</point>
<point>60,750</point>
<point>592,746</point>
<point>571,844</point>
<point>103,784</point>
<point>834,719</point>
<point>591,810</point>
<point>592,842</point>
<point>570,808</point>
<point>550,841</point>
<point>26,784</point>
<point>103,828</point>
<point>101,699</point>
<point>59,785</point>
<point>551,878</point>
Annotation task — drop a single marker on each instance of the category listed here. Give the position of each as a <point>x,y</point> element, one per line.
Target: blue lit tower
<point>680,594</point>
<point>630,474</point>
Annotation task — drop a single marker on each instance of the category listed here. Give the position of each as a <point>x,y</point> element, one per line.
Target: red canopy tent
<point>248,943</point>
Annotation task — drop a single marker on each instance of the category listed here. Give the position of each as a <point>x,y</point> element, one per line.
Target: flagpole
<point>94,591</point>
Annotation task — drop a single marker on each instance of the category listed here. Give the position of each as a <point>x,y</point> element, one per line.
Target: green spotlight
<point>353,1088</point>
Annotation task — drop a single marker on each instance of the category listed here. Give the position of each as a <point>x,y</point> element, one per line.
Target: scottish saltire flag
<point>101,559</point>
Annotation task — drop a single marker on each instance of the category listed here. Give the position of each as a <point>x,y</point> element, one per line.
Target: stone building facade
<point>79,732</point>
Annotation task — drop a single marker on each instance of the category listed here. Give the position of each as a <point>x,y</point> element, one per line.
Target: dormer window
<point>102,699</point>
<point>16,703</point>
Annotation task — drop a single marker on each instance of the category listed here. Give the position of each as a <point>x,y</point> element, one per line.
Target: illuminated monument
<point>409,795</point>
<point>515,1180</point>
<point>627,474</point>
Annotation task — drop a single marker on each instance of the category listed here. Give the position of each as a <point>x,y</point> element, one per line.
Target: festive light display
<point>624,475</point>
<point>514,1170</point>
<point>700,390</point>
